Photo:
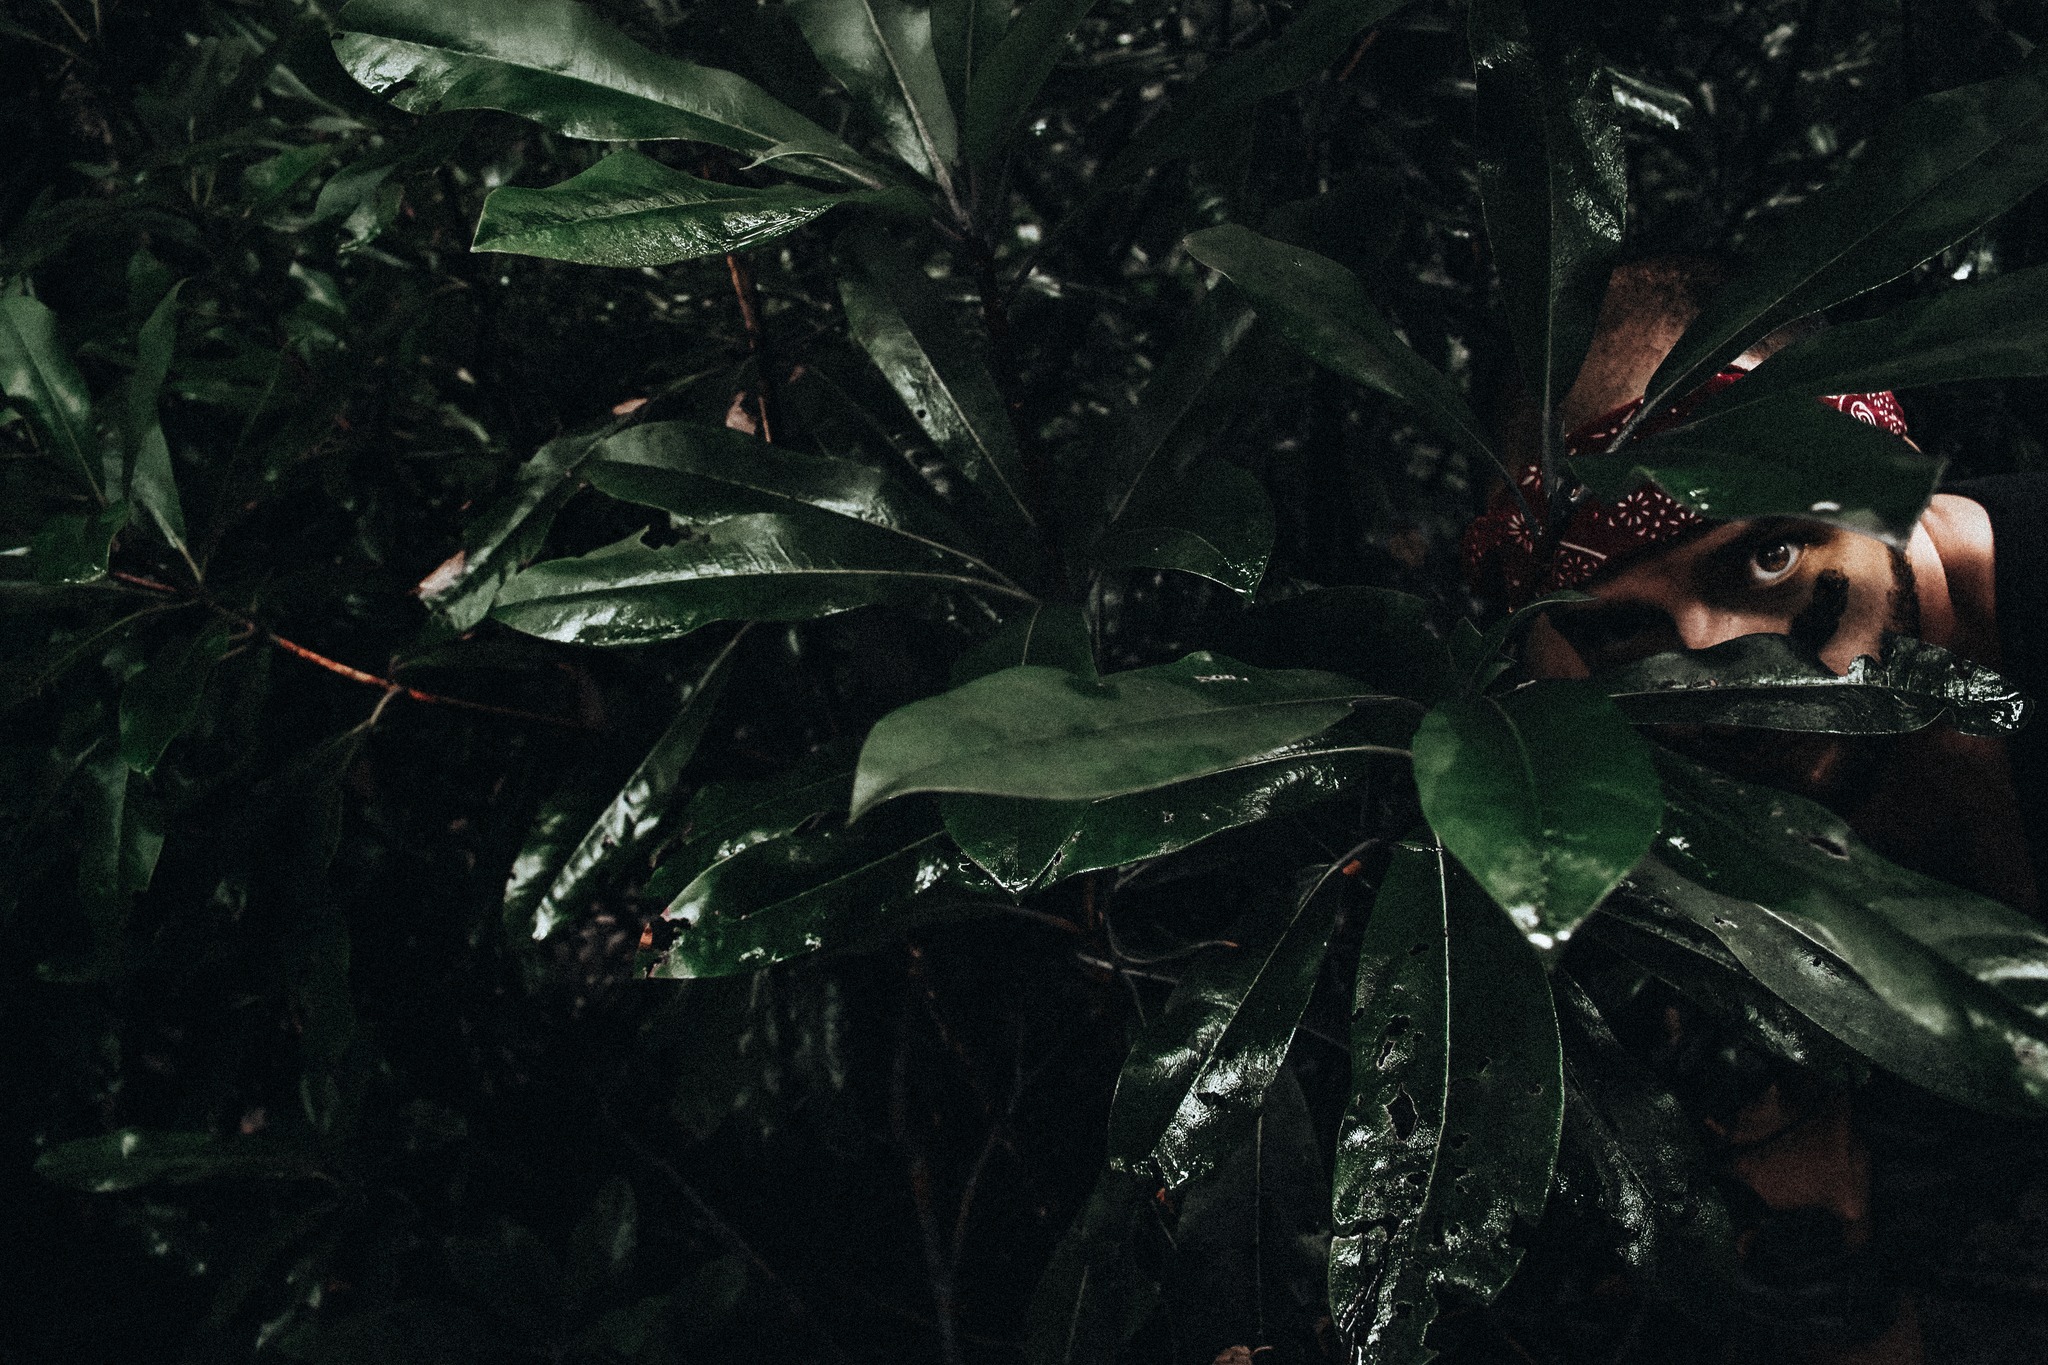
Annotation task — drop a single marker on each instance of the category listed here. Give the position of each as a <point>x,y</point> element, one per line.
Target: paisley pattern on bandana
<point>1502,552</point>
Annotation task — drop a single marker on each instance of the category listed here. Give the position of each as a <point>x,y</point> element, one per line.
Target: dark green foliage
<point>1012,463</point>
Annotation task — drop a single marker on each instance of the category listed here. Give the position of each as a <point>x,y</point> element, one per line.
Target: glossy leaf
<point>1788,457</point>
<point>1195,1079</point>
<point>630,210</point>
<point>1377,635</point>
<point>881,51</point>
<point>1079,1310</point>
<point>1009,80</point>
<point>765,567</point>
<point>705,473</point>
<point>822,890</point>
<point>1049,635</point>
<point>40,380</point>
<point>152,485</point>
<point>556,829</point>
<point>1939,169</point>
<point>161,701</point>
<point>1545,795</point>
<point>964,33</point>
<point>1215,522</point>
<point>1554,186</point>
<point>1659,106</point>
<point>1223,98</point>
<point>1829,926</point>
<point>138,1156</point>
<point>1012,839</point>
<point>123,835</point>
<point>725,817</point>
<point>899,319</point>
<point>631,817</point>
<point>1767,682</point>
<point>1451,1133</point>
<point>559,64</point>
<point>73,547</point>
<point>1995,329</point>
<point>507,533</point>
<point>1323,311</point>
<point>1043,733</point>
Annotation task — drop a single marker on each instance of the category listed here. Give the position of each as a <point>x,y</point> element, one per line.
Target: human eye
<point>1772,561</point>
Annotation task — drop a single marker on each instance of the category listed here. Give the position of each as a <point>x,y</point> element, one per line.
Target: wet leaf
<point>1049,635</point>
<point>765,567</point>
<point>725,817</point>
<point>1043,733</point>
<point>1079,1309</point>
<point>562,66</point>
<point>508,532</point>
<point>630,210</point>
<point>39,378</point>
<point>1767,682</point>
<point>1195,1080</point>
<point>162,700</point>
<point>1215,522</point>
<point>1009,80</point>
<point>1554,185</point>
<point>1323,311</point>
<point>73,547</point>
<point>138,1156</point>
<point>1447,1146</point>
<point>1546,795</point>
<point>1940,168</point>
<point>964,33</point>
<point>881,51</point>
<point>152,485</point>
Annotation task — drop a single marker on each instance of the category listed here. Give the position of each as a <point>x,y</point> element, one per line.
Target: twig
<point>1358,55</point>
<point>749,296</point>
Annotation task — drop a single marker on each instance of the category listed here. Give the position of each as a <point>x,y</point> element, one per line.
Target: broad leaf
<point>73,547</point>
<point>1554,186</point>
<point>137,1156</point>
<point>162,700</point>
<point>1996,329</point>
<point>1827,924</point>
<point>725,817</point>
<point>1376,635</point>
<point>559,64</point>
<point>1323,310</point>
<point>900,320</point>
<point>630,210</point>
<point>765,567</point>
<point>1545,795</point>
<point>1451,1134</point>
<point>881,51</point>
<point>152,486</point>
<point>1215,522</point>
<point>40,379</point>
<point>964,33</point>
<point>1195,1080</point>
<point>822,890</point>
<point>1080,1308</point>
<point>1009,80</point>
<point>1942,167</point>
<point>1012,839</point>
<point>1221,100</point>
<point>1051,635</point>
<point>1043,733</point>
<point>510,531</point>
<point>1767,682</point>
<point>624,826</point>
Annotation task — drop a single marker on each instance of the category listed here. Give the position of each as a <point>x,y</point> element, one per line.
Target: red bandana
<point>1501,549</point>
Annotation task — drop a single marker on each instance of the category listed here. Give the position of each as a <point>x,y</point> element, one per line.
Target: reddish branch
<point>749,296</point>
<point>390,686</point>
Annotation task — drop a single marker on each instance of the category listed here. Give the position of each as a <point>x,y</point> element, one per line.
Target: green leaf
<point>601,1249</point>
<point>1997,329</point>
<point>137,1156</point>
<point>1942,167</point>
<point>725,817</point>
<point>510,531</point>
<point>704,474</point>
<point>1324,312</point>
<point>123,834</point>
<point>555,830</point>
<point>1009,80</point>
<point>1195,1080</point>
<point>765,567</point>
<point>1222,99</point>
<point>1376,635</point>
<point>1215,522</point>
<point>630,819</point>
<point>824,890</point>
<point>1049,635</point>
<point>1079,1309</point>
<point>72,547</point>
<point>964,33</point>
<point>1786,457</point>
<point>1011,839</point>
<point>881,51</point>
<point>152,485</point>
<point>1934,983</point>
<point>1767,682</point>
<point>41,380</point>
<point>1451,1133</point>
<point>1043,733</point>
<point>160,702</point>
<point>1546,795</point>
<point>630,210</point>
<point>562,66</point>
<point>900,320</point>
<point>1554,185</point>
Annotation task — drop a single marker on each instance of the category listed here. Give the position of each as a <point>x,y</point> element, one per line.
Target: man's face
<point>1832,590</point>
